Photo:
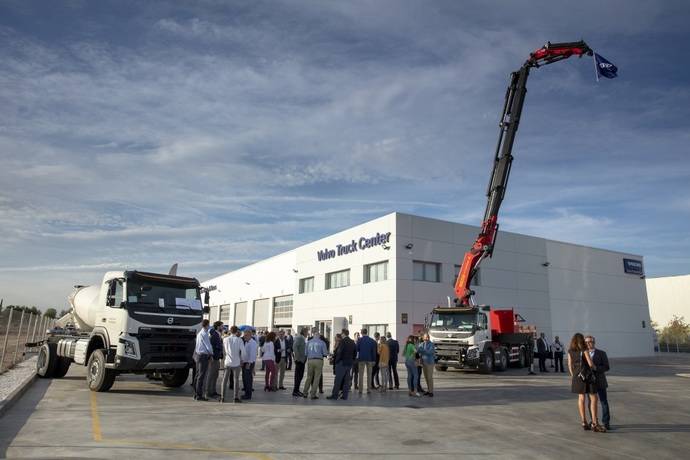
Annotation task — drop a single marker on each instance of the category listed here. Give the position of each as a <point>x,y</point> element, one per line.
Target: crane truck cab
<point>133,322</point>
<point>478,337</point>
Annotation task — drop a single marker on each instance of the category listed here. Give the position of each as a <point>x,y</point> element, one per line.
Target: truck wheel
<point>98,376</point>
<point>441,368</point>
<point>62,367</point>
<point>47,360</point>
<point>176,378</point>
<point>523,358</point>
<point>486,366</point>
<point>502,364</point>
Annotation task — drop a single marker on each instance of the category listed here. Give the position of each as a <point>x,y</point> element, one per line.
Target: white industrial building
<point>669,296</point>
<point>388,273</point>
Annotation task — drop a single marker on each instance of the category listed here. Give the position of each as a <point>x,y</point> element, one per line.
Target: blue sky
<point>213,134</point>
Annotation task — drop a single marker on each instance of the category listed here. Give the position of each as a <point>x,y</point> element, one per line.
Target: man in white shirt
<point>248,362</point>
<point>203,352</point>
<point>233,348</point>
<point>281,357</point>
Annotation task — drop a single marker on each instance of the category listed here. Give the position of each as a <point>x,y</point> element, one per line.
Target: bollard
<point>7,335</point>
<point>16,343</point>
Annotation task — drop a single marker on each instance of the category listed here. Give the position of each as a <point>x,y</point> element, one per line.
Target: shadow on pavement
<point>651,428</point>
<point>14,419</point>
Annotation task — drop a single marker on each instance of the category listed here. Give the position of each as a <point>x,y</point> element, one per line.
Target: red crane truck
<point>477,336</point>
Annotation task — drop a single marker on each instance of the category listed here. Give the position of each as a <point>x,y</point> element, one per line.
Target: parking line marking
<point>95,420</point>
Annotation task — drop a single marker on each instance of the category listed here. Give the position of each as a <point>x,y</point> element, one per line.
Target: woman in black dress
<point>579,359</point>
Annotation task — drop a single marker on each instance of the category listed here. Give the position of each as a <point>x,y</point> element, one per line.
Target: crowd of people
<point>237,352</point>
<point>377,358</point>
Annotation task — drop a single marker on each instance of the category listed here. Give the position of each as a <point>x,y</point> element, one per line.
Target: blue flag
<point>604,67</point>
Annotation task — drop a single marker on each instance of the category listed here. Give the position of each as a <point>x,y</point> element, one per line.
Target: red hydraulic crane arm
<point>510,119</point>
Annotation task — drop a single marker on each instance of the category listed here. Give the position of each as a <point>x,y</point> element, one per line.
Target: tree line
<point>677,331</point>
<point>50,312</point>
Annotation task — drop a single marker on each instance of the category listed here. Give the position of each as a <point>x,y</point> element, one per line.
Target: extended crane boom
<point>483,246</point>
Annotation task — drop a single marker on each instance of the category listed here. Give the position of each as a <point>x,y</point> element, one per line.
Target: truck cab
<point>477,337</point>
<point>132,322</point>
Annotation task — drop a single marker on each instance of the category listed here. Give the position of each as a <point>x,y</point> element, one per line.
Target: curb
<point>7,403</point>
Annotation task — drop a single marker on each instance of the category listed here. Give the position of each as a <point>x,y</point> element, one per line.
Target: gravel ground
<point>14,377</point>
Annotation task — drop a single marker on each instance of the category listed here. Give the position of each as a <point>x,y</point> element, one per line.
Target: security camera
<point>409,246</point>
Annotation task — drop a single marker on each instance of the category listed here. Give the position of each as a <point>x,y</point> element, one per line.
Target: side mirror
<point>207,309</point>
<point>123,304</point>
<point>206,299</point>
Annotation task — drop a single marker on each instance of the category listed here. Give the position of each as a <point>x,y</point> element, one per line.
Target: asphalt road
<point>506,415</point>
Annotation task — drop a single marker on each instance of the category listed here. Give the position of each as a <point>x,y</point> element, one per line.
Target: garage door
<point>241,313</point>
<point>261,307</point>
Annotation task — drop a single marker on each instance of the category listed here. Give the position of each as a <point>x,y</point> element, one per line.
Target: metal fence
<point>17,327</point>
<point>674,347</point>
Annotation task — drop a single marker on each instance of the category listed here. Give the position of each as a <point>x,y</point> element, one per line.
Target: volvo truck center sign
<point>354,246</point>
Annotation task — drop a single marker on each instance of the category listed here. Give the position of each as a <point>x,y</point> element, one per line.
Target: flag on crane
<point>604,67</point>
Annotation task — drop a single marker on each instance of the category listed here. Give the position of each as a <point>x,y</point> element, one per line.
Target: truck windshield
<point>163,295</point>
<point>462,321</point>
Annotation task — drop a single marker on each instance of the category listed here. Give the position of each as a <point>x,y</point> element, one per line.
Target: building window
<point>426,271</point>
<point>376,272</point>
<point>282,311</point>
<point>338,279</point>
<point>225,313</point>
<point>374,328</point>
<point>306,285</point>
<point>476,279</point>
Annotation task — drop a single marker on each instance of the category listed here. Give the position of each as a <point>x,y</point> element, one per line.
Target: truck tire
<point>502,363</point>
<point>523,358</point>
<point>61,367</point>
<point>98,377</point>
<point>47,360</point>
<point>486,364</point>
<point>176,378</point>
<point>441,368</point>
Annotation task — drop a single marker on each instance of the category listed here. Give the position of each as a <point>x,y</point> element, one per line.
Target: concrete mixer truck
<point>133,322</point>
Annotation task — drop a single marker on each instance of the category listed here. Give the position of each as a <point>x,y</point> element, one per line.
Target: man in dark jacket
<point>214,364</point>
<point>601,366</point>
<point>543,350</point>
<point>289,340</point>
<point>344,358</point>
<point>394,348</point>
<point>366,349</point>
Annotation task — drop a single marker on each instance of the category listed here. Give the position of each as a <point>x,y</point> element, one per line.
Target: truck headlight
<point>130,349</point>
<point>473,353</point>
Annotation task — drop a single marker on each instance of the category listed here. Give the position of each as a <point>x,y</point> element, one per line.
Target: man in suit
<point>601,366</point>
<point>214,363</point>
<point>394,348</point>
<point>344,358</point>
<point>281,357</point>
<point>543,350</point>
<point>375,369</point>
<point>366,349</point>
<point>289,340</point>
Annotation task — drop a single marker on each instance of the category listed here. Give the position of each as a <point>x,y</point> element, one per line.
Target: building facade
<point>387,274</point>
<point>669,296</point>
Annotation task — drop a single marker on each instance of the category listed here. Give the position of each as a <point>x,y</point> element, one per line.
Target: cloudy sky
<point>213,134</point>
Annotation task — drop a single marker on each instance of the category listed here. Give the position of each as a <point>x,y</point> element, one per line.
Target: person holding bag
<point>583,373</point>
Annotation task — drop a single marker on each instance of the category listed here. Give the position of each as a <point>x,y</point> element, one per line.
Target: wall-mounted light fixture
<point>295,270</point>
<point>409,246</point>
<point>385,246</point>
<point>545,264</point>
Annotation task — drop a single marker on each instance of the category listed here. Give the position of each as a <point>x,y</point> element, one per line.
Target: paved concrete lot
<point>507,415</point>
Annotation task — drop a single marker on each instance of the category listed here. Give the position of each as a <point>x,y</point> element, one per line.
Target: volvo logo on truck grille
<point>171,320</point>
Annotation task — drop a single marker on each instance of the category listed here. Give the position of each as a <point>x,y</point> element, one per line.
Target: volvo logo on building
<point>354,246</point>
